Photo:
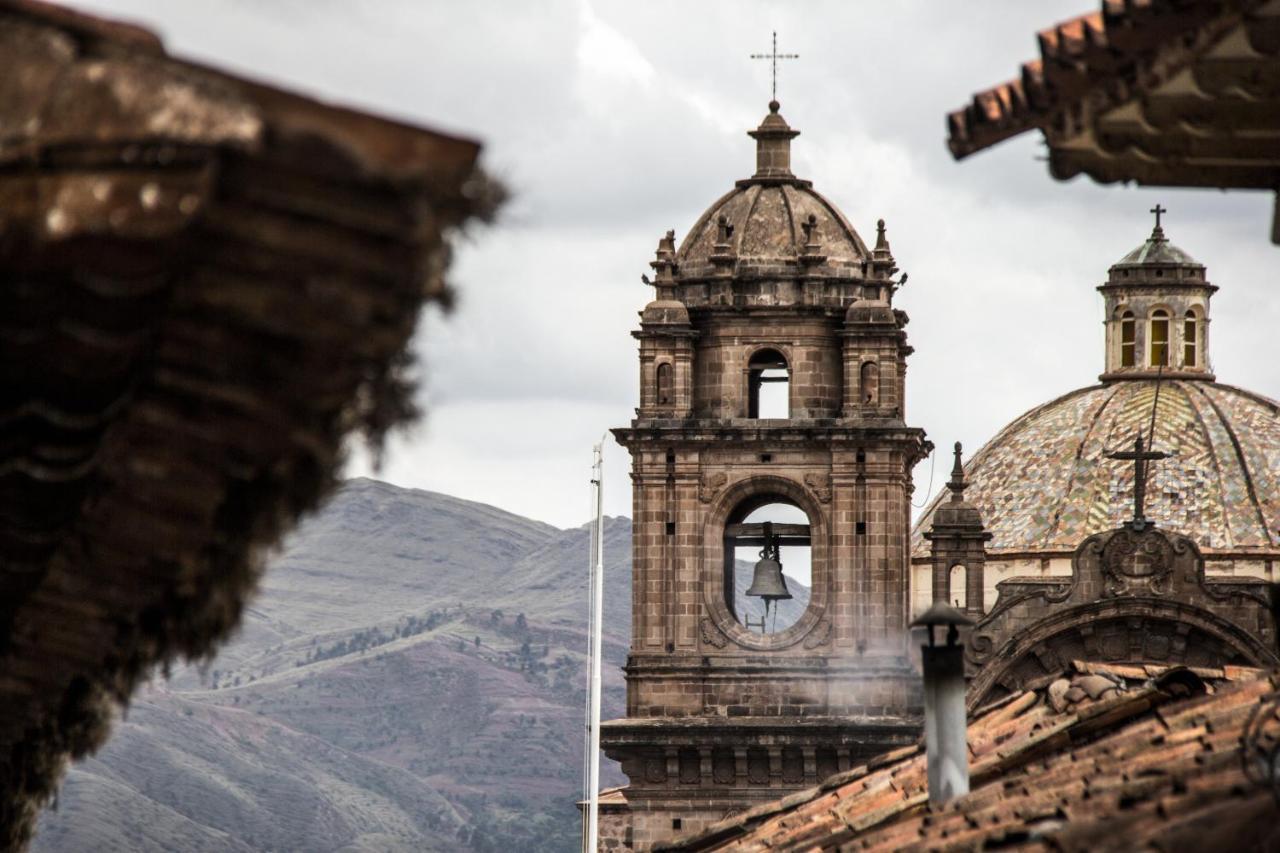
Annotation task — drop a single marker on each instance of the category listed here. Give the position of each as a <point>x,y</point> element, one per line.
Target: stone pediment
<point>1137,594</point>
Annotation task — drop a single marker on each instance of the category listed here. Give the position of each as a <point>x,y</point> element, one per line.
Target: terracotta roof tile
<point>1145,767</point>
<point>1162,92</point>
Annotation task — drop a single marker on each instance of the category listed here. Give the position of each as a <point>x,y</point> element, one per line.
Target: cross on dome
<point>774,56</point>
<point>1157,233</point>
<point>1140,457</point>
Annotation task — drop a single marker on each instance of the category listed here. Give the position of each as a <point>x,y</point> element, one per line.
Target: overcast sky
<point>614,121</point>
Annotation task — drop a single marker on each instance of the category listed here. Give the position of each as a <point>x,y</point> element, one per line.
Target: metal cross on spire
<point>775,56</point>
<point>1157,210</point>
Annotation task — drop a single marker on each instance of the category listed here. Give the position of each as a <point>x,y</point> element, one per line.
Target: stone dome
<point>869,311</point>
<point>665,312</point>
<point>1044,484</point>
<point>1157,251</point>
<point>768,232</point>
<point>772,223</point>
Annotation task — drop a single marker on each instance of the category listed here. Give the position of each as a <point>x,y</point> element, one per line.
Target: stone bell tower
<point>771,430</point>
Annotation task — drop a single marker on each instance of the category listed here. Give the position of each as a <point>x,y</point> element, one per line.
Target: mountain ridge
<point>410,676</point>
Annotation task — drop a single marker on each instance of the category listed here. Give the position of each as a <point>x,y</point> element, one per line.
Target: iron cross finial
<point>1157,210</point>
<point>1140,456</point>
<point>775,56</point>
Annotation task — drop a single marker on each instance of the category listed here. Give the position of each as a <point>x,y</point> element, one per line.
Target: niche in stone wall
<point>869,384</point>
<point>959,593</point>
<point>665,384</point>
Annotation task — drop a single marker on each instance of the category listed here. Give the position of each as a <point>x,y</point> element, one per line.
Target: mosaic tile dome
<point>1043,483</point>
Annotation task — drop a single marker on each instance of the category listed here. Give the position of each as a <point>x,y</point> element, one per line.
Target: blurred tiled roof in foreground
<point>207,285</point>
<point>1181,93</point>
<point>1104,758</point>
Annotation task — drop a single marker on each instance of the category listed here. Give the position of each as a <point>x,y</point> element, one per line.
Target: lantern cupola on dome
<point>1157,309</point>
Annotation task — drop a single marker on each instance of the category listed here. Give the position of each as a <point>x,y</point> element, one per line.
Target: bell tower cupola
<point>1157,312</point>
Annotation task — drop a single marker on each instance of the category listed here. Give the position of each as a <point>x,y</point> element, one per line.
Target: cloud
<point>613,121</point>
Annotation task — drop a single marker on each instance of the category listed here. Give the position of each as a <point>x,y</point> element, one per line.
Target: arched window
<point>959,581</point>
<point>1159,337</point>
<point>664,384</point>
<point>1190,340</point>
<point>1128,341</point>
<point>869,384</point>
<point>768,385</point>
<point>764,530</point>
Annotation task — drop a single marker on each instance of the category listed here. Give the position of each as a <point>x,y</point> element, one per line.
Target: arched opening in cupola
<point>1159,338</point>
<point>768,385</point>
<point>1128,340</point>
<point>768,563</point>
<point>1191,339</point>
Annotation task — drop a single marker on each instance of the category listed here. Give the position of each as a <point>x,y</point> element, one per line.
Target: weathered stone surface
<point>1137,595</point>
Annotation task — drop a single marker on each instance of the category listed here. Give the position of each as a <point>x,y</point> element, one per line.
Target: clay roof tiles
<point>206,286</point>
<point>1162,92</point>
<point>1137,757</point>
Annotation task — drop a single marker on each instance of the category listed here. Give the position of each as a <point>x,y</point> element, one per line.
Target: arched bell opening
<point>768,385</point>
<point>767,564</point>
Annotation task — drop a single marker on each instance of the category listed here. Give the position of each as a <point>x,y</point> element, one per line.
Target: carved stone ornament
<point>711,635</point>
<point>1136,562</point>
<point>655,768</point>
<point>819,636</point>
<point>820,484</point>
<point>709,485</point>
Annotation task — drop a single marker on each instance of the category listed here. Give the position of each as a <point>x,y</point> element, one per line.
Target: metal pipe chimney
<point>945,725</point>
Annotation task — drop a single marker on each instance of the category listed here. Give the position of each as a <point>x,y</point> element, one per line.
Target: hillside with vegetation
<point>410,678</point>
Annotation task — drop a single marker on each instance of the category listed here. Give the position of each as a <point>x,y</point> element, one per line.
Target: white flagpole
<point>597,618</point>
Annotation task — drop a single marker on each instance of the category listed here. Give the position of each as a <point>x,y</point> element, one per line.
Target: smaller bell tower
<point>771,476</point>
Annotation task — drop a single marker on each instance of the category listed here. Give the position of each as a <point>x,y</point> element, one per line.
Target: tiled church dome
<point>1043,483</point>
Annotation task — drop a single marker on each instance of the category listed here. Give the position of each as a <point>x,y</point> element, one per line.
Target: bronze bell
<point>768,582</point>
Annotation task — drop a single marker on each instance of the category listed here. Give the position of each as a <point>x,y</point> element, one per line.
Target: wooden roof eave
<point>1080,75</point>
